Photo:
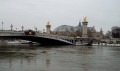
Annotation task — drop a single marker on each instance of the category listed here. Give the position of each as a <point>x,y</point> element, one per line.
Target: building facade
<point>82,30</point>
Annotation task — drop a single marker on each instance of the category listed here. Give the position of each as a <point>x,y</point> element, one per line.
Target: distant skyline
<point>36,13</point>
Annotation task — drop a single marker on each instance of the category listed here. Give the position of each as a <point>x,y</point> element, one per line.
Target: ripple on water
<point>59,58</point>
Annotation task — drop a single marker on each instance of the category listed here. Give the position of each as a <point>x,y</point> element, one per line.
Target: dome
<point>64,28</point>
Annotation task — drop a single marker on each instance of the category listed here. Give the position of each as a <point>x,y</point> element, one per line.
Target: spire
<point>101,30</point>
<point>80,24</point>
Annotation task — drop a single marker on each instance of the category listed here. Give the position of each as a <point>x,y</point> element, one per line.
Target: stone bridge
<point>45,39</point>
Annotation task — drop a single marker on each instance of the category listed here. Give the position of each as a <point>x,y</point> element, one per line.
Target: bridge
<point>45,39</point>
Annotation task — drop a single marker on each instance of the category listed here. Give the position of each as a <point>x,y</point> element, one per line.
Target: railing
<point>56,36</point>
<point>12,33</point>
<point>21,33</point>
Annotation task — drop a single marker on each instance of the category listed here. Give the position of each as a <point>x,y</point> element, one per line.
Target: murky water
<point>59,58</point>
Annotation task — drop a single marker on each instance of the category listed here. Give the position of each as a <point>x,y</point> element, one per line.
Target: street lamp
<point>22,28</point>
<point>2,25</point>
<point>11,27</point>
<point>43,30</point>
<point>35,28</point>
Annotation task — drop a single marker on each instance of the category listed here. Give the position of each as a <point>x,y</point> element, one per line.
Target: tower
<point>101,33</point>
<point>79,24</point>
<point>48,26</point>
<point>84,31</point>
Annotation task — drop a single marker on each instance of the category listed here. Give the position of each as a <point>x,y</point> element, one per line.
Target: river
<point>59,58</point>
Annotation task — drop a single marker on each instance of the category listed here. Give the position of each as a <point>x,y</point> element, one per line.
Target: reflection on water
<point>59,58</point>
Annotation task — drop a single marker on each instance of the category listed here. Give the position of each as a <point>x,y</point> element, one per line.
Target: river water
<point>59,58</point>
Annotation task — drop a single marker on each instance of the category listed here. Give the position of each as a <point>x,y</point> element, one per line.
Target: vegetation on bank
<point>115,32</point>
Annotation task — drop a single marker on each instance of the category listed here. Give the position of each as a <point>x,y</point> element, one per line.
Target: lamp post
<point>35,29</point>
<point>11,27</point>
<point>43,30</point>
<point>22,28</point>
<point>2,26</point>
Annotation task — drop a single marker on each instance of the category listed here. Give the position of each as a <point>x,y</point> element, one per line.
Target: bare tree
<point>115,32</point>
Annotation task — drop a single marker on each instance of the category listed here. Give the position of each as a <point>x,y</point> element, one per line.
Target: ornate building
<point>78,31</point>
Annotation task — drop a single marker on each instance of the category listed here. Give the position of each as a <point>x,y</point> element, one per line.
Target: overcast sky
<point>36,13</point>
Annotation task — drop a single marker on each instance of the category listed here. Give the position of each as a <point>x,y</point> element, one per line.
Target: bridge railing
<point>56,36</point>
<point>11,33</point>
<point>62,38</point>
<point>21,33</point>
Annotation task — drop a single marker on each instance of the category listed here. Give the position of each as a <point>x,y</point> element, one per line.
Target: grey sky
<point>36,13</point>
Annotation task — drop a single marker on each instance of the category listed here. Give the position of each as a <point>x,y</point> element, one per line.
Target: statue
<point>48,23</point>
<point>85,19</point>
